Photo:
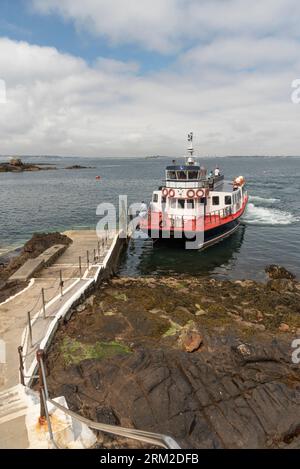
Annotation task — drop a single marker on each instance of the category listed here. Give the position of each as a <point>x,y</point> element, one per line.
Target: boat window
<point>171,174</point>
<point>181,203</point>
<point>173,203</point>
<point>155,198</point>
<point>215,200</point>
<point>193,174</point>
<point>190,203</point>
<point>227,199</point>
<point>181,174</point>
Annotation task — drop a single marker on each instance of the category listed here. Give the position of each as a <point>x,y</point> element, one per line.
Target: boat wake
<point>263,200</point>
<point>257,215</point>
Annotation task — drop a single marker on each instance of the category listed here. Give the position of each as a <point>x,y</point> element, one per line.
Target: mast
<point>190,149</point>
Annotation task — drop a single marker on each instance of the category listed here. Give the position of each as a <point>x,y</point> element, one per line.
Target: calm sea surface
<point>65,199</point>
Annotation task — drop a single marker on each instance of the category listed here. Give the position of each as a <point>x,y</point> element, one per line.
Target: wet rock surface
<point>206,361</point>
<point>278,272</point>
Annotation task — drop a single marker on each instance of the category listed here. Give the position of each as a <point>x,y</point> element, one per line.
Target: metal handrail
<point>163,441</point>
<point>157,439</point>
<point>199,183</point>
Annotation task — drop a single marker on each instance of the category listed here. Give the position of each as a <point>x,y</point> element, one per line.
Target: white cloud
<point>231,84</point>
<point>167,25</point>
<point>152,23</point>
<point>245,53</point>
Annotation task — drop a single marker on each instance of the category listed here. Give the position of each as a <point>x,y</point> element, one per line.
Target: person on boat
<point>143,210</point>
<point>217,171</point>
<point>203,172</point>
<point>211,174</point>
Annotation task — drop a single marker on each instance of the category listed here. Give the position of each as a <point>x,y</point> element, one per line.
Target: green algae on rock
<point>75,352</point>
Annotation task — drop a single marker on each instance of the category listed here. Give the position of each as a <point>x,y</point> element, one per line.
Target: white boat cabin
<point>187,187</point>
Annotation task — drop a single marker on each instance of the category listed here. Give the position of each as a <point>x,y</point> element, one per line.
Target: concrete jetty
<point>98,259</point>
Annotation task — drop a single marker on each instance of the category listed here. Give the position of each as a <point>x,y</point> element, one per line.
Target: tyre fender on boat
<point>171,193</point>
<point>165,192</point>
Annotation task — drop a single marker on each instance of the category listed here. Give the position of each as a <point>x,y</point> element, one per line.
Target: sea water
<point>67,199</point>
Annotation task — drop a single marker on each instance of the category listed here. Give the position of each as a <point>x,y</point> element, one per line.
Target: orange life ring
<point>190,193</point>
<point>171,193</point>
<point>200,193</point>
<point>165,192</point>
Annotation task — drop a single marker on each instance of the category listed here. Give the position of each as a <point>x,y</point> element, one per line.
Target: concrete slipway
<point>18,407</point>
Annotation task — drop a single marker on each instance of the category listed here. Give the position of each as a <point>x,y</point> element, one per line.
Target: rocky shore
<point>16,165</point>
<point>206,361</point>
<point>33,248</point>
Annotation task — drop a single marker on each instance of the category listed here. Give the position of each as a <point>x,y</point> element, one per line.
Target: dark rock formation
<point>239,389</point>
<point>278,272</point>
<point>219,398</point>
<point>77,166</point>
<point>16,165</point>
<point>42,241</point>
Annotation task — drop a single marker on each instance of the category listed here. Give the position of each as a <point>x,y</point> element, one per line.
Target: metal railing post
<point>94,255</point>
<point>39,357</point>
<point>98,249</point>
<point>47,417</point>
<point>88,259</point>
<point>44,303</point>
<point>21,367</point>
<point>80,268</point>
<point>61,283</point>
<point>30,329</point>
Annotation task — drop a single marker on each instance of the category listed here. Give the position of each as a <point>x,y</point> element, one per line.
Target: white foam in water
<point>263,200</point>
<point>267,216</point>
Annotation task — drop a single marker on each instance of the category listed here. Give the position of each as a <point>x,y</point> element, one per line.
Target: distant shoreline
<point>145,157</point>
<point>16,165</point>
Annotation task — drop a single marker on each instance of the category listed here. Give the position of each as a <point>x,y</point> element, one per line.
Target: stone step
<point>13,404</point>
<point>7,393</point>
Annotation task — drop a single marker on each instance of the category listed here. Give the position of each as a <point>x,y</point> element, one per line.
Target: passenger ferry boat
<point>194,206</point>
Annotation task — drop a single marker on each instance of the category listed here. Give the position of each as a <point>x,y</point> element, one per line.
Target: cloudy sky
<point>116,77</point>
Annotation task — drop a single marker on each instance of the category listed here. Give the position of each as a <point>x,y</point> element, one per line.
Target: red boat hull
<point>211,228</point>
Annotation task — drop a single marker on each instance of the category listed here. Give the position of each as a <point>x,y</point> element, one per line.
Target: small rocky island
<point>16,165</point>
<point>78,166</point>
<point>206,361</point>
